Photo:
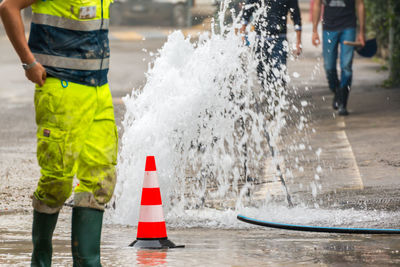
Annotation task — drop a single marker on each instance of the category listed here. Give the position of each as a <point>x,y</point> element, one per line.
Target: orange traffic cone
<point>152,232</point>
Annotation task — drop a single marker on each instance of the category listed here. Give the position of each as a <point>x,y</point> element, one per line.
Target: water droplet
<point>313,189</point>
<point>319,169</point>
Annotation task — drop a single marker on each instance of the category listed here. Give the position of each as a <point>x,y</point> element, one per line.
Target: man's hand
<point>361,38</point>
<point>298,50</point>
<point>37,74</point>
<point>315,39</point>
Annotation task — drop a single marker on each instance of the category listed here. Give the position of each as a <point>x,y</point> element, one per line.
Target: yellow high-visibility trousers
<point>76,135</point>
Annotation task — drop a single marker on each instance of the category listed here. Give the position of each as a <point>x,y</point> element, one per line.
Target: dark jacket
<point>273,19</point>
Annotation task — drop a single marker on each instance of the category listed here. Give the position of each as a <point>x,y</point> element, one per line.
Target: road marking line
<point>271,186</point>
<point>348,153</point>
<point>341,123</point>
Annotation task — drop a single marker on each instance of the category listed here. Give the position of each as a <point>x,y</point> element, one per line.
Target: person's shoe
<point>343,111</point>
<point>42,234</point>
<point>86,235</point>
<point>342,97</point>
<point>335,104</point>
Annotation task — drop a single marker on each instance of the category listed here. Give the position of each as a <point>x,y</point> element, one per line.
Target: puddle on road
<point>253,246</point>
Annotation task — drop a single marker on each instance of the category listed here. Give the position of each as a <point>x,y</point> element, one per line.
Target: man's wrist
<point>29,66</point>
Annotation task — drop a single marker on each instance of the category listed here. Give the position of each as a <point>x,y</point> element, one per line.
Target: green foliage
<point>383,22</point>
<point>377,20</point>
<point>395,59</point>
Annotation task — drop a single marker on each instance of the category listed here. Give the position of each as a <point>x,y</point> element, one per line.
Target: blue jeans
<point>331,41</point>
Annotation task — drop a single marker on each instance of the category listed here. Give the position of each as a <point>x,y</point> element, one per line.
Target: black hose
<point>320,229</point>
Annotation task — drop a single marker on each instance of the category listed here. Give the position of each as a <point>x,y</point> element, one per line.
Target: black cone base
<point>154,244</point>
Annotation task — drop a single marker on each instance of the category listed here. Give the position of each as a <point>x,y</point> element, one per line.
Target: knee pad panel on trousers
<point>96,191</point>
<point>104,190</point>
<point>53,192</point>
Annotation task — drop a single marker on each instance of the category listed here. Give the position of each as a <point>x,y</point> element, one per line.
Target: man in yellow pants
<point>67,57</point>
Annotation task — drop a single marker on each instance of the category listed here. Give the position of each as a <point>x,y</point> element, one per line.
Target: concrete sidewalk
<point>359,154</point>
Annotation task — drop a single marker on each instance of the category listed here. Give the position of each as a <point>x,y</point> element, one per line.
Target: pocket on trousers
<point>49,97</point>
<point>51,149</point>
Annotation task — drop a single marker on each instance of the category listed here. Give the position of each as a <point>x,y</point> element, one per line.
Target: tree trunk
<point>391,40</point>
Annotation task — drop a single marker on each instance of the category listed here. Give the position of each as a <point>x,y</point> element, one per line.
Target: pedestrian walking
<point>270,21</point>
<point>269,18</point>
<point>67,57</point>
<point>339,25</point>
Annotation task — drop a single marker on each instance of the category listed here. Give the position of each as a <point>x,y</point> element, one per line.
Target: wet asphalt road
<point>208,247</point>
<point>362,153</point>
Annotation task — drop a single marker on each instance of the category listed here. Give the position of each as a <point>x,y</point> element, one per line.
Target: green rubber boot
<point>42,234</point>
<point>86,235</point>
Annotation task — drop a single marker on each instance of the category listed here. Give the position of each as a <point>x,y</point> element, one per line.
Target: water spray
<point>189,115</point>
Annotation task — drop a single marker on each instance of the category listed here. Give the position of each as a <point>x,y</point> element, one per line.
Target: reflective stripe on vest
<point>72,63</point>
<point>71,8</point>
<point>70,24</point>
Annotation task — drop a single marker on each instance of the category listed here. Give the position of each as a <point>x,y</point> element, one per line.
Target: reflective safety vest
<point>70,39</point>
